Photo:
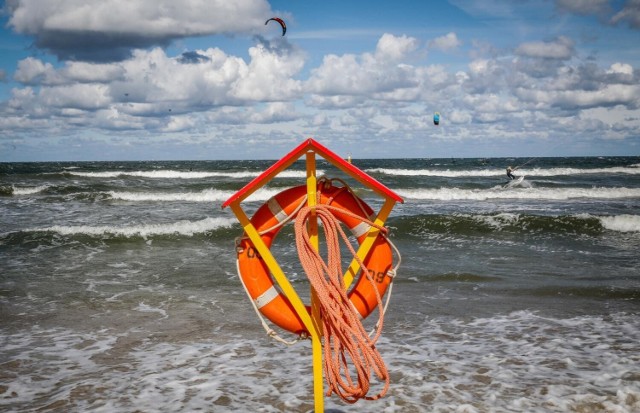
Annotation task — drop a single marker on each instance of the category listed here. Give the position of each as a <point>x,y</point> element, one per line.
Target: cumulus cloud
<point>395,48</point>
<point>460,117</point>
<point>33,71</point>
<point>607,96</point>
<point>575,88</point>
<point>483,76</point>
<point>368,73</point>
<point>381,93</point>
<point>106,30</point>
<point>269,76</point>
<point>275,112</point>
<point>622,71</point>
<point>152,90</point>
<point>622,68</point>
<point>178,124</point>
<point>447,42</point>
<point>561,48</point>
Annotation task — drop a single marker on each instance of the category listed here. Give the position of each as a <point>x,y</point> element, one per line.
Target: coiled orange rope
<point>345,340</point>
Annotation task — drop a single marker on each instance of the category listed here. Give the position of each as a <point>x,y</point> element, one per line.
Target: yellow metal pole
<point>316,336</point>
<point>366,245</point>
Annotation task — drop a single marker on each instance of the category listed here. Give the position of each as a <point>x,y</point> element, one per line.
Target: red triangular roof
<point>306,146</point>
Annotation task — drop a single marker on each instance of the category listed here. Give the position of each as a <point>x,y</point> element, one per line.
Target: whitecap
<point>184,228</point>
<point>206,195</point>
<point>436,172</point>
<point>622,223</point>
<point>172,174</point>
<point>29,190</point>
<point>631,170</point>
<point>448,194</point>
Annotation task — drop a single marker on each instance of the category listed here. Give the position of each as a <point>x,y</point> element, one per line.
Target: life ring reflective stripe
<point>255,273</point>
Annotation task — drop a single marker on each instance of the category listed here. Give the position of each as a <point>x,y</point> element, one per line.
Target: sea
<point>119,290</point>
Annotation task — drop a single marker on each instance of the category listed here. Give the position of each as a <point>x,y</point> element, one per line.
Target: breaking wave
<point>182,228</point>
<point>448,194</point>
<point>632,170</point>
<point>172,174</point>
<point>466,224</point>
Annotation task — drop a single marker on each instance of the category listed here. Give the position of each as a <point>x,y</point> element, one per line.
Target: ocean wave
<point>449,194</point>
<point>173,174</point>
<point>435,172</point>
<point>479,224</point>
<point>632,170</point>
<point>28,190</point>
<point>207,195</point>
<point>182,228</point>
<point>622,223</point>
<point>6,190</point>
<point>97,191</point>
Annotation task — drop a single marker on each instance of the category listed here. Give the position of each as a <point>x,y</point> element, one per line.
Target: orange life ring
<point>255,273</point>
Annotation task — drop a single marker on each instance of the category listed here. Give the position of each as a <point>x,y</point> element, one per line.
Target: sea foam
<point>514,362</point>
<point>447,194</point>
<point>448,173</point>
<point>622,223</point>
<point>207,195</point>
<point>29,190</point>
<point>184,228</point>
<point>172,174</point>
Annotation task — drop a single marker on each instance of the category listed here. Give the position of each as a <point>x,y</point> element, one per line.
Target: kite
<point>279,20</point>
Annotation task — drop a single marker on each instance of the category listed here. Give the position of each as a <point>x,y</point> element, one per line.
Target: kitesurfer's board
<point>514,182</point>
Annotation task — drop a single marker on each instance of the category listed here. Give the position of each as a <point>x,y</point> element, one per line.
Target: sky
<point>93,80</point>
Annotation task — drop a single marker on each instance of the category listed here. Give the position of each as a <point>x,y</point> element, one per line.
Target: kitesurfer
<point>510,171</point>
